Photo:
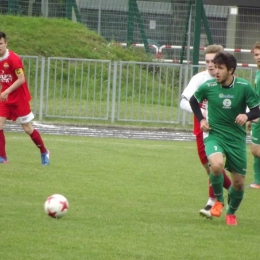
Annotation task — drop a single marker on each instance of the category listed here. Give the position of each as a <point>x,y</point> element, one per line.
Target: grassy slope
<point>61,38</point>
<point>38,36</point>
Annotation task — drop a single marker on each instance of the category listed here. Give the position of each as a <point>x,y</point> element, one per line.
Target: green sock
<point>235,200</point>
<point>217,185</point>
<point>257,170</point>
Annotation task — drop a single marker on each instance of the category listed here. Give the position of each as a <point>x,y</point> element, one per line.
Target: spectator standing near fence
<point>15,100</point>
<point>195,82</point>
<point>224,129</point>
<point>255,126</point>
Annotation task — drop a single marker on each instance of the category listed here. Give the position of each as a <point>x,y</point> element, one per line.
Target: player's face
<point>223,75</point>
<point>3,45</point>
<point>209,64</point>
<point>257,56</point>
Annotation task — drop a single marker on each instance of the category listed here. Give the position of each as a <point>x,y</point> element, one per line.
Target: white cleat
<point>206,212</point>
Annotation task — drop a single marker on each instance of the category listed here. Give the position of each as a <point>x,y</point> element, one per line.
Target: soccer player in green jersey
<point>255,126</point>
<point>225,130</point>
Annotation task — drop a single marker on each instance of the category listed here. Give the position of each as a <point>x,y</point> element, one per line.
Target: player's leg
<point>215,151</point>
<point>3,157</point>
<point>205,212</point>
<point>37,139</point>
<point>24,116</point>
<point>4,113</point>
<point>236,194</point>
<point>227,181</point>
<point>237,163</point>
<point>255,149</point>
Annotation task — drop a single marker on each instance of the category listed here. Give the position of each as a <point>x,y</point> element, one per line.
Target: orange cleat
<point>254,186</point>
<point>231,220</point>
<point>216,210</point>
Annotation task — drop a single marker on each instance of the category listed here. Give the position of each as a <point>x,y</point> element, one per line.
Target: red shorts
<point>13,111</point>
<point>201,148</point>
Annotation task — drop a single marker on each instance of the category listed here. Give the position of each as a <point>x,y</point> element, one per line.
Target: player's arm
<point>251,99</point>
<point>188,92</point>
<point>20,80</point>
<point>195,106</point>
<point>254,113</point>
<point>185,105</point>
<point>204,126</point>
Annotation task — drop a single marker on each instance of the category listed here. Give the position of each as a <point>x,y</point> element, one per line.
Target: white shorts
<point>25,119</point>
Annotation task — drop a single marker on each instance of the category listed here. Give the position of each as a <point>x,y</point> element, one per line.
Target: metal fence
<point>102,90</point>
<point>165,22</point>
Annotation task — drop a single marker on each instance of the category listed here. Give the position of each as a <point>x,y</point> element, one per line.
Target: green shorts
<point>255,133</point>
<point>236,159</point>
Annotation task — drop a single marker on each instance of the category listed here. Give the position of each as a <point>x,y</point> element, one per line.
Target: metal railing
<point>112,91</point>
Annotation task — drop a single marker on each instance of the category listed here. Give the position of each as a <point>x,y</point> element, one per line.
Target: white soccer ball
<point>56,206</point>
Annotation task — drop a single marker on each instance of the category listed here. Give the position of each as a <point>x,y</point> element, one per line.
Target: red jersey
<point>196,127</point>
<point>8,64</point>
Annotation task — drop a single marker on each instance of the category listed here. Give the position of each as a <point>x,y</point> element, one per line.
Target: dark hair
<point>2,35</point>
<point>227,59</point>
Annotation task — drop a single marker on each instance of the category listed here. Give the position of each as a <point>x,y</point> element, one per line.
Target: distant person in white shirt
<point>195,82</point>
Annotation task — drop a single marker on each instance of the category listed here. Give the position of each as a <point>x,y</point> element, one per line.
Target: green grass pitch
<point>129,199</point>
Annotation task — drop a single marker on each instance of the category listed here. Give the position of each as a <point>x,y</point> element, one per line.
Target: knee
<point>238,184</point>
<point>28,129</point>
<point>256,150</point>
<point>216,168</point>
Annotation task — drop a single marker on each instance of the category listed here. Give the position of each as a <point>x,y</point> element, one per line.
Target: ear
<point>231,71</point>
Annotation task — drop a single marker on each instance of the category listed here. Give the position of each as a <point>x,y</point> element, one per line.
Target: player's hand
<point>3,96</point>
<point>204,125</point>
<point>241,119</point>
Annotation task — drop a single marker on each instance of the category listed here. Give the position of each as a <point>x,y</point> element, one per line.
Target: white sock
<point>211,201</point>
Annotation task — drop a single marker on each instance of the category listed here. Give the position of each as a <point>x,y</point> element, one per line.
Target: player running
<point>188,92</point>
<point>224,129</point>
<point>15,100</point>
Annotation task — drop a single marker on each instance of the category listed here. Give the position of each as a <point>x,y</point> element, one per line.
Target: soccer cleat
<point>254,186</point>
<point>206,212</point>
<point>217,208</point>
<point>231,220</point>
<point>45,158</point>
<point>3,160</point>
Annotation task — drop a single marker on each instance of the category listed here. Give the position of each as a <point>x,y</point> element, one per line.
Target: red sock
<point>211,192</point>
<point>227,181</point>
<point>2,144</point>
<point>36,137</point>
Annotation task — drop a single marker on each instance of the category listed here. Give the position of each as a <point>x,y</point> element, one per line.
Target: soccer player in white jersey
<point>188,92</point>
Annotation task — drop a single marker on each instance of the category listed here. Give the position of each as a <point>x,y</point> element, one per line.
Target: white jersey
<point>195,82</point>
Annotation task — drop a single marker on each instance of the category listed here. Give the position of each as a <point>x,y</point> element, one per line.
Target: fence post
<point>114,93</point>
<point>41,87</point>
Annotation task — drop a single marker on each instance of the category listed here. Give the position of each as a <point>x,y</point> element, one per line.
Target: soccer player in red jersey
<point>15,100</point>
<point>195,82</point>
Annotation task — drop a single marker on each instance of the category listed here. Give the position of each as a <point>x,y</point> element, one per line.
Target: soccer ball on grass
<point>56,206</point>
